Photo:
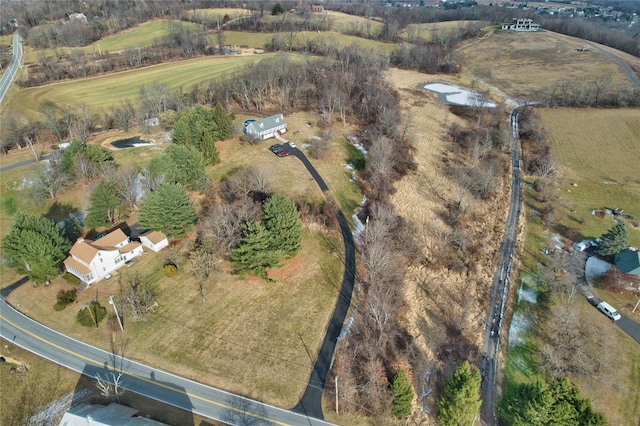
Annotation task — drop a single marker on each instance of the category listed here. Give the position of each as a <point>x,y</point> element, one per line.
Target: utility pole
<point>636,307</point>
<point>115,309</point>
<point>336,378</point>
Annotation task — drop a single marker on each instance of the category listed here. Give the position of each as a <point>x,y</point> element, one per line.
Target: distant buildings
<point>521,24</point>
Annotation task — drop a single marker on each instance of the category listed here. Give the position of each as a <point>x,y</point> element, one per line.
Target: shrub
<point>65,298</point>
<point>59,306</point>
<point>170,270</point>
<point>92,314</point>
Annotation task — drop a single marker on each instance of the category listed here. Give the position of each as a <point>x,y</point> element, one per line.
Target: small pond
<point>133,142</point>
<point>450,94</point>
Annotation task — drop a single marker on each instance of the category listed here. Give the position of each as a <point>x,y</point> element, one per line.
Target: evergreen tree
<point>541,403</point>
<point>277,9</point>
<point>192,122</point>
<point>182,165</point>
<point>105,201</point>
<point>282,222</point>
<point>209,150</point>
<point>95,153</point>
<point>35,246</point>
<point>402,395</point>
<point>614,240</point>
<point>460,400</point>
<point>168,209</point>
<point>254,255</point>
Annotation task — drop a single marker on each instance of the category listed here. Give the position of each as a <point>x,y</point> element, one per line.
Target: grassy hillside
<point>107,90</point>
<point>524,63</point>
<point>425,32</point>
<point>599,154</point>
<point>142,35</point>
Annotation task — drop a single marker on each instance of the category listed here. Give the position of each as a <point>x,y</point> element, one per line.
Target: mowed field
<point>426,32</point>
<point>107,90</point>
<point>598,151</point>
<point>142,35</point>
<point>522,64</point>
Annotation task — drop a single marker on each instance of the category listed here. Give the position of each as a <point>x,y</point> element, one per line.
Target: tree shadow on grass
<point>60,211</point>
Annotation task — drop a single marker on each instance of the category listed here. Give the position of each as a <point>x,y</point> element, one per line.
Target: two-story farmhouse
<point>521,24</point>
<point>267,127</point>
<point>91,261</point>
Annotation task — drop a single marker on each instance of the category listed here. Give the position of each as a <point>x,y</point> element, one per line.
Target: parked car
<point>275,148</point>
<point>292,145</point>
<point>609,311</point>
<point>283,153</point>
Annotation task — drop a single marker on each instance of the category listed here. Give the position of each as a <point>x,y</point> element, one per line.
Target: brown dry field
<point>419,199</point>
<point>251,337</point>
<point>526,63</point>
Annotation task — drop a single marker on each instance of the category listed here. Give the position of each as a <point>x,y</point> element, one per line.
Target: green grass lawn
<point>598,154</point>
<point>425,32</point>
<point>143,35</point>
<point>104,91</point>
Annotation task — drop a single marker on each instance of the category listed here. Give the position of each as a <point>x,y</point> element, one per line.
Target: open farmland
<point>218,12</point>
<point>142,35</point>
<point>426,32</point>
<point>301,39</point>
<point>107,90</point>
<point>343,22</point>
<point>522,64</point>
<point>597,150</point>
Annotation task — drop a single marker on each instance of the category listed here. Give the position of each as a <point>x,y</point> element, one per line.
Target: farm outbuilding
<point>628,261</point>
<point>267,127</point>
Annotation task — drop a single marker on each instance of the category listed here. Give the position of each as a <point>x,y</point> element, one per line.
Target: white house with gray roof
<point>267,127</point>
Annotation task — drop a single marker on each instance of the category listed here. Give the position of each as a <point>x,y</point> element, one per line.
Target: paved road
<point>27,162</point>
<point>311,402</point>
<point>139,378</point>
<point>12,68</point>
<point>500,288</point>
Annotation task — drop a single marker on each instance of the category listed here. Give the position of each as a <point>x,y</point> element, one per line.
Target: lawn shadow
<point>61,211</point>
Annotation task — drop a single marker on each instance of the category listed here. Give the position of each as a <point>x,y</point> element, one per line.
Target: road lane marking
<point>184,392</point>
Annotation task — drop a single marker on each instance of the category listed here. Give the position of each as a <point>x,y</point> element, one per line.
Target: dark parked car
<point>276,148</point>
<point>283,153</point>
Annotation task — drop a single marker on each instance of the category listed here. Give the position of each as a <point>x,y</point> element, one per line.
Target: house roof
<point>112,239</point>
<point>70,262</point>
<point>628,261</point>
<point>154,236</point>
<point>99,415</point>
<point>130,247</point>
<point>265,124</point>
<point>83,251</point>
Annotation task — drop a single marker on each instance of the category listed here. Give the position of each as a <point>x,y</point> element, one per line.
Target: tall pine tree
<point>209,150</point>
<point>460,400</point>
<point>614,240</point>
<point>255,255</point>
<point>282,222</point>
<point>168,209</point>
<point>105,203</point>
<point>35,246</point>
<point>402,395</point>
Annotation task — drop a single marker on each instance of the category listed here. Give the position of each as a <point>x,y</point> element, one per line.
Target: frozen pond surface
<point>448,93</point>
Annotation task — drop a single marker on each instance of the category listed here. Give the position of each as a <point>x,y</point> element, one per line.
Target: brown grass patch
<point>525,63</point>
<point>420,199</point>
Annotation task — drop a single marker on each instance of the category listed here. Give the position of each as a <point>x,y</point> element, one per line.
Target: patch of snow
<point>519,325</point>
<point>358,226</point>
<point>528,295</point>
<point>595,268</point>
<point>457,95</point>
<point>557,241</point>
<point>306,145</point>
<point>55,410</point>
<point>361,148</point>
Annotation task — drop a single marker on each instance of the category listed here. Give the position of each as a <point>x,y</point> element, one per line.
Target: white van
<point>609,311</point>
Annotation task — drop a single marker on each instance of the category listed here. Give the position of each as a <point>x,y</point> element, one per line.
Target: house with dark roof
<point>267,127</point>
<point>628,261</point>
<point>91,261</point>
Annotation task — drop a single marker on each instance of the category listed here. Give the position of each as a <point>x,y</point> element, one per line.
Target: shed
<point>267,127</point>
<point>154,240</point>
<point>628,261</point>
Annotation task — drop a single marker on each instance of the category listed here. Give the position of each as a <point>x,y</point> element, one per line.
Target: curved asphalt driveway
<point>311,402</point>
<point>12,68</point>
